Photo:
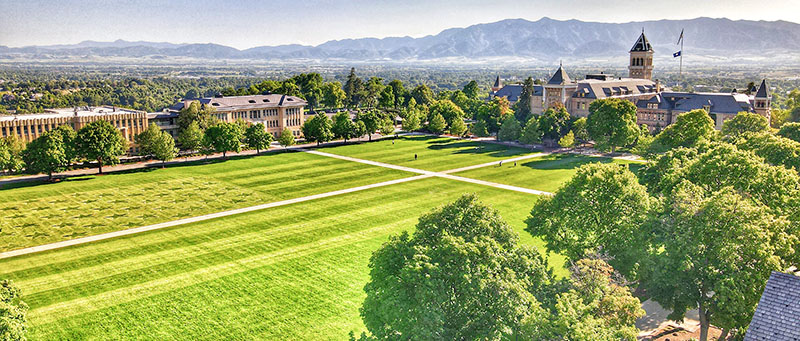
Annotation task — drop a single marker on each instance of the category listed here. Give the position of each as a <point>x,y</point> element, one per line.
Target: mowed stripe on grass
<point>295,271</point>
<point>433,153</point>
<point>84,206</point>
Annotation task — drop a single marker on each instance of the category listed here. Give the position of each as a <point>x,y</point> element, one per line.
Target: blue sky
<point>244,24</point>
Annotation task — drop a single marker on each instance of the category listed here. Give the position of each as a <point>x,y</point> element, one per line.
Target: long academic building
<point>30,126</point>
<point>275,111</point>
<point>656,107</point>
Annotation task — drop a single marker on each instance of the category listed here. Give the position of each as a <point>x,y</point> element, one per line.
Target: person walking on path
<point>415,157</point>
<point>501,163</point>
<point>515,163</point>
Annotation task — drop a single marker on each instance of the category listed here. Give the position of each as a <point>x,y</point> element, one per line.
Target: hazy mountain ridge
<point>545,39</point>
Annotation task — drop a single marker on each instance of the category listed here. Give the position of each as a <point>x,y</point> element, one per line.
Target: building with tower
<point>656,106</point>
<point>641,59</point>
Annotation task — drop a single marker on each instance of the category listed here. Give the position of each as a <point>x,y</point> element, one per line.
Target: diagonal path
<point>141,229</point>
<point>423,174</point>
<point>444,174</point>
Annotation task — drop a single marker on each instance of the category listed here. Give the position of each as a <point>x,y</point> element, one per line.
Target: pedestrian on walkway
<point>415,157</point>
<point>501,163</point>
<point>515,163</point>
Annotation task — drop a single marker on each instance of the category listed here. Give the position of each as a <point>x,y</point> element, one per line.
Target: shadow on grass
<point>569,161</point>
<point>23,183</point>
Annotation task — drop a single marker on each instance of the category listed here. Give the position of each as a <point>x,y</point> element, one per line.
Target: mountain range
<point>542,40</point>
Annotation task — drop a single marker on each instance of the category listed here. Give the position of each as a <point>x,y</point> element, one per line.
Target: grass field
<point>45,213</point>
<point>546,173</point>
<point>434,154</point>
<point>292,272</point>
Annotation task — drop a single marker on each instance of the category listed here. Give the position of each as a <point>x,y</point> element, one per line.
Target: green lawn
<point>434,153</point>
<point>291,272</point>
<point>41,213</point>
<point>546,173</point>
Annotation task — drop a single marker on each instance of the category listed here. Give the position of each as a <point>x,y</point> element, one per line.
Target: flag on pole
<point>676,54</point>
<point>680,39</point>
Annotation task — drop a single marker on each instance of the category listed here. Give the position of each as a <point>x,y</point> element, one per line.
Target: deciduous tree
<point>102,142</point>
<point>531,134</point>
<point>13,311</point>
<point>744,122</point>
<point>318,129</point>
<point>612,123</point>
<point>462,275</point>
<point>224,137</point>
<point>437,124</point>
<point>343,127</point>
<point>287,138</point>
<point>510,130</point>
<point>257,137</point>
<point>46,154</point>
<point>191,138</point>
<point>689,130</point>
<point>457,127</point>
<point>791,131</point>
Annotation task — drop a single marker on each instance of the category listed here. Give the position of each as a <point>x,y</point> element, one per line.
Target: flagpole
<point>680,70</point>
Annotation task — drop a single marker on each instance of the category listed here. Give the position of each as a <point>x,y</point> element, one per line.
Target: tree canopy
<point>318,129</point>
<point>102,142</point>
<point>257,137</point>
<point>462,275</point>
<point>287,138</point>
<point>612,123</point>
<point>224,137</point>
<point>510,130</point>
<point>744,122</point>
<point>690,129</point>
<point>13,311</point>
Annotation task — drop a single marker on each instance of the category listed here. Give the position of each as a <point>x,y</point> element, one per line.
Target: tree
<point>318,129</point>
<point>195,112</point>
<point>287,138</point>
<point>531,134</point>
<point>13,311</point>
<point>437,124</point>
<point>163,147</point>
<point>46,154</point>
<point>479,129</point>
<point>372,91</point>
<point>332,95</point>
<point>612,123</point>
<point>353,88</point>
<point>579,130</point>
<point>11,149</point>
<point>568,140</point>
<point>191,138</point>
<point>224,137</point>
<point>510,129</point>
<point>554,123</point>
<point>775,150</point>
<point>423,95</point>
<point>523,110</point>
<point>594,307</point>
<point>371,121</point>
<point>399,92</point>
<point>471,90</point>
<point>600,209</point>
<point>458,128</point>
<point>689,130</point>
<point>387,126</point>
<point>102,142</point>
<point>744,122</point>
<point>386,99</point>
<point>449,111</point>
<point>718,250</point>
<point>359,129</point>
<point>411,119</point>
<point>147,138</point>
<point>462,275</point>
<point>493,113</point>
<point>343,127</point>
<point>257,137</point>
<point>68,136</point>
<point>791,131</point>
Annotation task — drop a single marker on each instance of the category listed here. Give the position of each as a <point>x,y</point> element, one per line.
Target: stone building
<point>276,112</point>
<point>656,107</point>
<point>30,126</point>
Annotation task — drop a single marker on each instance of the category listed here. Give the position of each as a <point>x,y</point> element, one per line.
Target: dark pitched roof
<point>721,103</point>
<point>498,83</point>
<point>512,91</point>
<point>777,317</point>
<point>560,77</point>
<point>763,91</point>
<point>642,44</point>
<point>596,88</point>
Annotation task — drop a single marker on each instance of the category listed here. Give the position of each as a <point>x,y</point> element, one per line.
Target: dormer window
<point>215,104</point>
<point>265,100</point>
<point>252,101</point>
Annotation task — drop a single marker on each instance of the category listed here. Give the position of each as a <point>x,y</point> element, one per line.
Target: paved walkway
<point>115,234</point>
<point>423,174</point>
<point>444,174</point>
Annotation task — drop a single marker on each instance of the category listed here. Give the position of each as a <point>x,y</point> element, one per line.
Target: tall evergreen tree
<point>523,111</point>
